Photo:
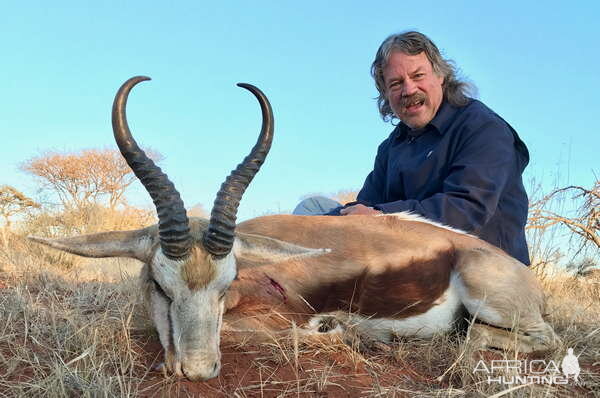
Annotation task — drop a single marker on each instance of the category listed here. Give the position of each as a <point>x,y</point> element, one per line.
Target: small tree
<point>86,177</point>
<point>584,223</point>
<point>12,202</point>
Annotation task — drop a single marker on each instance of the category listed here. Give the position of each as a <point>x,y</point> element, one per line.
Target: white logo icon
<point>527,371</point>
<point>429,154</point>
<point>570,365</point>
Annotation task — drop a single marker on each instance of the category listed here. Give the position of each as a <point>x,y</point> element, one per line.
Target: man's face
<point>413,90</point>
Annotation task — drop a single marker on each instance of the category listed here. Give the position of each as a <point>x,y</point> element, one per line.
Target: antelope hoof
<point>162,368</point>
<point>325,324</point>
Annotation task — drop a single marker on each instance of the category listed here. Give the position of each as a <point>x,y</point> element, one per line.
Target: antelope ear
<point>254,250</point>
<point>134,244</point>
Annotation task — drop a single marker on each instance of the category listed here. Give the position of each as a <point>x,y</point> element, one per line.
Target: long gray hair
<point>456,91</point>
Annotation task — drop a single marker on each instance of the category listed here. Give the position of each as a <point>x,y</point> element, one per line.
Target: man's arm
<point>373,188</point>
<point>477,175</point>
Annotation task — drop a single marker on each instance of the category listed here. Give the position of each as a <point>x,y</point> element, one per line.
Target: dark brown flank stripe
<point>395,293</point>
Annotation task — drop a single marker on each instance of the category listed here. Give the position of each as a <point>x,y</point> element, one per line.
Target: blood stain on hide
<point>278,288</point>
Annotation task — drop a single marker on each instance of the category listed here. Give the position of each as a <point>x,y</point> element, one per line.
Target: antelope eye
<point>222,295</point>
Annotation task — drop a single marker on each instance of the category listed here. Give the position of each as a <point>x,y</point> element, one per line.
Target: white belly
<point>438,319</point>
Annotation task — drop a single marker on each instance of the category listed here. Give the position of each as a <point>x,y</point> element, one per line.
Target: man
<point>451,159</point>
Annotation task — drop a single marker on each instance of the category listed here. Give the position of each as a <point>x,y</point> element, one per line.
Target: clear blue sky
<point>535,63</point>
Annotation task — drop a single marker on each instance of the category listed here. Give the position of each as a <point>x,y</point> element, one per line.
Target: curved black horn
<point>218,239</point>
<point>173,228</point>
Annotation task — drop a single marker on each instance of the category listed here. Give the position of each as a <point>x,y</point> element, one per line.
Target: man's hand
<point>359,209</point>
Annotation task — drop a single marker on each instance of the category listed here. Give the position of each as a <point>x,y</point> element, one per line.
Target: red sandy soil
<point>253,371</point>
<point>262,370</point>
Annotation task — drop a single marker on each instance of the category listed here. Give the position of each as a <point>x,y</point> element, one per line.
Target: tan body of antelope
<point>382,275</point>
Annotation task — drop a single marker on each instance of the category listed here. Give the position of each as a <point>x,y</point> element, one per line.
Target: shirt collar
<point>440,122</point>
<point>444,117</point>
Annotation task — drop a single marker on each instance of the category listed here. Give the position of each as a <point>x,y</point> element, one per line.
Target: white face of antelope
<point>186,305</point>
<point>187,274</point>
<point>185,297</point>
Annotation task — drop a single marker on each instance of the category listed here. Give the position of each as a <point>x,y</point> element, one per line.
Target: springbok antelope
<point>384,276</point>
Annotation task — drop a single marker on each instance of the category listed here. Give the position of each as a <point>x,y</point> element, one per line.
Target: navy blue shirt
<point>464,169</point>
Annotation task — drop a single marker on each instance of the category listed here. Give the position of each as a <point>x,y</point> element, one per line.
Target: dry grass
<point>68,333</point>
<point>64,334</point>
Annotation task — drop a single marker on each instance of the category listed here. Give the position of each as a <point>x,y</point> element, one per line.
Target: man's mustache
<point>413,99</point>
